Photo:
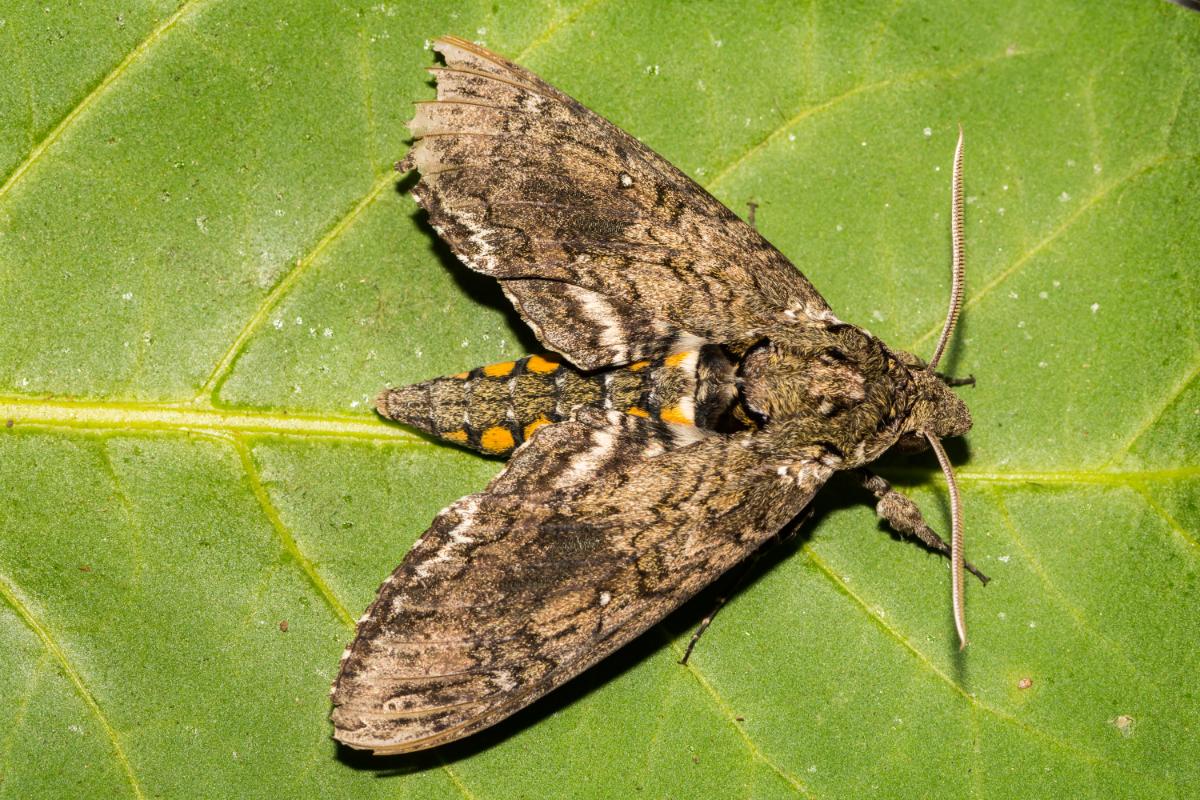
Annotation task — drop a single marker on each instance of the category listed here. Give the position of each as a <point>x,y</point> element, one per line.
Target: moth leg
<point>904,517</point>
<point>952,381</point>
<point>779,538</point>
<point>750,216</point>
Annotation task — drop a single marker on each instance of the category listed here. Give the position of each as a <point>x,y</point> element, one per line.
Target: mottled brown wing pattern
<point>610,253</point>
<point>595,531</point>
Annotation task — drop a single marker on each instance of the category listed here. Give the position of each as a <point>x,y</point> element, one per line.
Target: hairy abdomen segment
<point>495,408</point>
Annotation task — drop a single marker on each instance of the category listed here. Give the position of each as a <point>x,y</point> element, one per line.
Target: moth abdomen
<point>495,408</point>
<point>491,408</point>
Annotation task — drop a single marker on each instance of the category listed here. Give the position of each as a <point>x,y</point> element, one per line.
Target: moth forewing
<point>700,393</point>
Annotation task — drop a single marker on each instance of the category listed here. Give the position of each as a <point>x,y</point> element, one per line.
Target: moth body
<point>704,393</point>
<point>495,408</point>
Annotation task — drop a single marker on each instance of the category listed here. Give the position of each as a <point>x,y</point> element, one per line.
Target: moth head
<point>936,411</point>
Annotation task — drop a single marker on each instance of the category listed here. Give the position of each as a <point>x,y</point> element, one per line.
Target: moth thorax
<point>784,382</point>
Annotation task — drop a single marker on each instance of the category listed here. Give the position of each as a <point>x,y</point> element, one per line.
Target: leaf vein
<point>1160,410</point>
<point>1022,260</point>
<point>554,27</point>
<point>306,565</point>
<point>131,519</point>
<point>95,415</point>
<point>1166,517</point>
<point>224,367</point>
<point>8,592</point>
<point>91,97</point>
<point>21,709</point>
<point>924,661</point>
<point>727,711</point>
<point>1072,610</point>
<point>285,536</point>
<point>862,88</point>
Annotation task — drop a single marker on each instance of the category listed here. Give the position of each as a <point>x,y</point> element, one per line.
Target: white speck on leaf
<point>1096,168</point>
<point>928,132</point>
<point>1125,724</point>
<point>1095,307</point>
<point>327,333</point>
<point>1064,197</point>
<point>277,324</point>
<point>127,296</point>
<point>1043,295</point>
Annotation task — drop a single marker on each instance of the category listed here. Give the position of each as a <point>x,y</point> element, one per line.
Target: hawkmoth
<point>699,392</point>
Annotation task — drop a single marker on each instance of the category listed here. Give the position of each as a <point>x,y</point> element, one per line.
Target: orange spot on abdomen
<point>499,370</point>
<point>533,426</point>
<point>675,359</point>
<point>542,365</point>
<point>675,414</point>
<point>497,440</point>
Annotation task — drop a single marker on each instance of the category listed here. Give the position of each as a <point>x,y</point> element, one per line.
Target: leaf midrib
<point>183,418</point>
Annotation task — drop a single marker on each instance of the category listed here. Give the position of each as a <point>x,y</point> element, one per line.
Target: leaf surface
<point>207,270</point>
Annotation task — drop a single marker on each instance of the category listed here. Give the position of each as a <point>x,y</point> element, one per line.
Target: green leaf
<point>207,271</point>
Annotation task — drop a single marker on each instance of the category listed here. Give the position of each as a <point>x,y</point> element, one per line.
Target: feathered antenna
<point>956,296</point>
<point>956,236</point>
<point>956,541</point>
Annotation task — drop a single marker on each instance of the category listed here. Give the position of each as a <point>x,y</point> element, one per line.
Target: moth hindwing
<point>700,391</point>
